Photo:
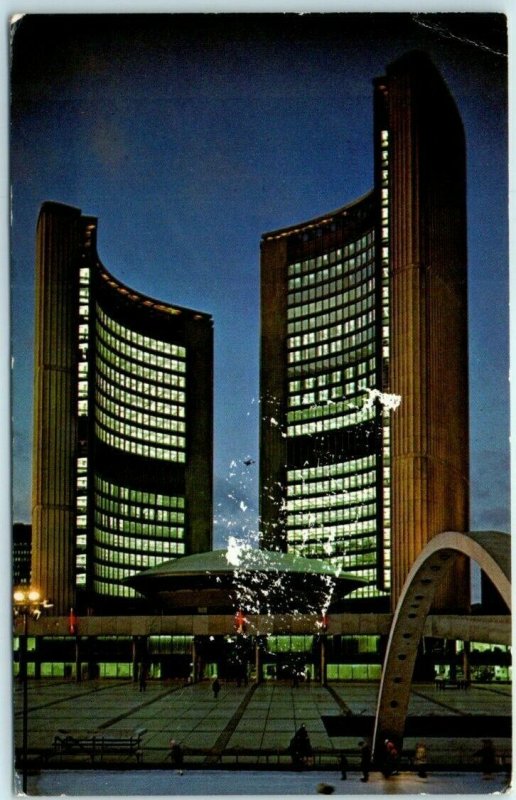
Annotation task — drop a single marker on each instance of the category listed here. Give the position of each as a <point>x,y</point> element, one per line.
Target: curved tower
<point>122,476</point>
<point>364,377</point>
<point>325,442</point>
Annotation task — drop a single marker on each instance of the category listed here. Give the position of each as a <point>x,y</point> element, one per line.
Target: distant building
<point>364,308</point>
<point>123,424</point>
<point>22,539</point>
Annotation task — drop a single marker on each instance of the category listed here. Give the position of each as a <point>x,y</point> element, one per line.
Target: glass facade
<point>131,397</point>
<point>326,317</point>
<point>348,657</point>
<point>331,513</point>
<point>140,409</point>
<point>139,392</point>
<point>138,388</point>
<point>331,322</point>
<point>133,530</point>
<point>338,508</point>
<point>123,424</point>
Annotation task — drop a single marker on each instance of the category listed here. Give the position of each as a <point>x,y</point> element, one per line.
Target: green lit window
<point>290,644</point>
<point>332,512</point>
<point>139,392</point>
<point>133,530</point>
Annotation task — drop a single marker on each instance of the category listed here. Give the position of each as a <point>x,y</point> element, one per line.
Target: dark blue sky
<point>188,137</point>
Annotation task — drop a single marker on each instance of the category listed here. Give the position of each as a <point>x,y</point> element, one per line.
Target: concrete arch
<point>491,551</point>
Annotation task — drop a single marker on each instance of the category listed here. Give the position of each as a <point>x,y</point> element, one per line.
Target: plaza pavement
<point>259,718</point>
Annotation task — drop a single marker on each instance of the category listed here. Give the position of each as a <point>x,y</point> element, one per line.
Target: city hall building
<point>363,440</point>
<point>123,424</point>
<point>364,354</point>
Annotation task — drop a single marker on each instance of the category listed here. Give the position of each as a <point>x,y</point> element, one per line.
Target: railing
<point>98,745</point>
<point>93,747</point>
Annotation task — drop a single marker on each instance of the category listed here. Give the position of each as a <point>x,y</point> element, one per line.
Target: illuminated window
<point>137,377</point>
<point>139,531</point>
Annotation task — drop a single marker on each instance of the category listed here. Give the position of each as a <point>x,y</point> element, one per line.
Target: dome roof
<point>259,581</point>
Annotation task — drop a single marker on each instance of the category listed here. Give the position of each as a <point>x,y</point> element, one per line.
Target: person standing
<point>176,755</point>
<point>301,747</point>
<point>488,757</point>
<point>215,688</point>
<point>365,760</point>
<point>343,763</point>
<point>420,759</point>
<point>143,678</point>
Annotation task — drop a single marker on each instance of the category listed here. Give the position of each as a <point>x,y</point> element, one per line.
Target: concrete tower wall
<point>55,429</point>
<point>273,383</point>
<point>429,357</point>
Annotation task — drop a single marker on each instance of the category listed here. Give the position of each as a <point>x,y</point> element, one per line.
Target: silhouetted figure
<point>365,760</point>
<point>440,682</point>
<point>176,755</point>
<point>488,757</point>
<point>300,747</point>
<point>215,688</point>
<point>343,763</point>
<point>143,678</point>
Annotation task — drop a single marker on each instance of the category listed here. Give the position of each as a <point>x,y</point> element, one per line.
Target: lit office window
<point>331,320</point>
<point>337,511</point>
<point>139,392</point>
<point>386,477</point>
<point>133,530</point>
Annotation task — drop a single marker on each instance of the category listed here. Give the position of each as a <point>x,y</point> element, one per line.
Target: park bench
<point>97,745</point>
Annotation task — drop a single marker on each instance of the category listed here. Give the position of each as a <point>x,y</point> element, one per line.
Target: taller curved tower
<point>123,423</point>
<point>364,356</point>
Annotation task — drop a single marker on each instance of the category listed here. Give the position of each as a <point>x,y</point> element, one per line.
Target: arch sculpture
<point>491,550</point>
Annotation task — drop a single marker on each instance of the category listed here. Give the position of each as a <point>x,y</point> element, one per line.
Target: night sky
<point>190,136</point>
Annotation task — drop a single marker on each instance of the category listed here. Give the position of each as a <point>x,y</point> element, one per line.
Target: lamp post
<point>26,602</point>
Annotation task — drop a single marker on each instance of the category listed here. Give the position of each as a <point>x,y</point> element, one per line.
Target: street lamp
<point>27,602</point>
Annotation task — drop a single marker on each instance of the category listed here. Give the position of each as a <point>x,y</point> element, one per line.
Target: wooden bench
<point>97,745</point>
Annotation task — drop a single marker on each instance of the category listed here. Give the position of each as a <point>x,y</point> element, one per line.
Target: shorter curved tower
<point>123,423</point>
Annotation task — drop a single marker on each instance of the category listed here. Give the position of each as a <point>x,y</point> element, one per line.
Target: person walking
<point>215,687</point>
<point>365,760</point>
<point>390,758</point>
<point>176,755</point>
